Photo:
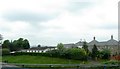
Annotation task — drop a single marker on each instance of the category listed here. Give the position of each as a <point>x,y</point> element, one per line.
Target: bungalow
<point>38,49</point>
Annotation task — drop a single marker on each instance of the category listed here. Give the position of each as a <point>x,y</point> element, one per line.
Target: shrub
<point>5,51</point>
<point>105,54</point>
<point>73,53</point>
<point>76,53</point>
<point>111,62</point>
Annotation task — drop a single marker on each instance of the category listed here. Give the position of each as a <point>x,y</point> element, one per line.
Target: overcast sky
<point>49,22</point>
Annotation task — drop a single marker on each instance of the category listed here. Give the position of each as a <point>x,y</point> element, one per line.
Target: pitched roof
<point>93,42</point>
<point>102,43</point>
<point>40,48</point>
<point>112,42</point>
<point>69,45</point>
<point>80,43</point>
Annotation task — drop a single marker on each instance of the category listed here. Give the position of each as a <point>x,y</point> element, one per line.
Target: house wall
<point>113,48</point>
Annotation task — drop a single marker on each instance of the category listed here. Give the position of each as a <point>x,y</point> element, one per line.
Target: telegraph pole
<point>1,38</point>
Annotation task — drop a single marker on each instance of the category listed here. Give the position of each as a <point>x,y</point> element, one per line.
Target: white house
<point>38,49</point>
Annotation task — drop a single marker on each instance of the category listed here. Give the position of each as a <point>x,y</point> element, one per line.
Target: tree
<point>85,47</point>
<point>39,45</point>
<point>20,43</point>
<point>6,44</point>
<point>16,44</point>
<point>11,48</point>
<point>60,49</point>
<point>60,46</point>
<point>95,52</point>
<point>26,44</point>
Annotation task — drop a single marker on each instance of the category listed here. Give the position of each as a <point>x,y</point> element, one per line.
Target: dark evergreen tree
<point>26,44</point>
<point>11,48</point>
<point>95,52</point>
<point>15,45</point>
<point>6,44</point>
<point>85,47</point>
<point>20,43</point>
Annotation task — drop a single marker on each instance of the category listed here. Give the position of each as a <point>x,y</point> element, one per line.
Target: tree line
<point>16,45</point>
<point>80,53</point>
<point>73,53</point>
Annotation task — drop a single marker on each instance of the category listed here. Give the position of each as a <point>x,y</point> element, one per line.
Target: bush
<point>5,51</point>
<point>76,53</point>
<point>111,62</point>
<point>73,53</point>
<point>105,54</point>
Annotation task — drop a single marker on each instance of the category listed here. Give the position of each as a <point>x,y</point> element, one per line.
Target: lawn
<point>39,60</point>
<point>0,58</point>
<point>26,59</point>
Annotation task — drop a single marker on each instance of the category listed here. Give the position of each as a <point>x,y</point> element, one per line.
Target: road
<point>85,66</point>
<point>9,66</point>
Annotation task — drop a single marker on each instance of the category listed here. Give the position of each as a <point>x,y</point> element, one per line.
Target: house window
<point>27,50</point>
<point>40,51</point>
<point>36,50</point>
<point>33,50</point>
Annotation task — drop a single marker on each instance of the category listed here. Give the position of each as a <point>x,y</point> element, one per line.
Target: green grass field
<point>0,58</point>
<point>39,60</point>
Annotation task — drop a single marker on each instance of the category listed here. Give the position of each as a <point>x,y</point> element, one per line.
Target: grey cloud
<point>28,16</point>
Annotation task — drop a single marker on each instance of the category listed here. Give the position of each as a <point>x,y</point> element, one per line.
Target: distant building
<point>71,45</point>
<point>111,44</point>
<point>38,49</point>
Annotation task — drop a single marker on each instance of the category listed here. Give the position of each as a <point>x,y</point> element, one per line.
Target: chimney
<point>111,36</point>
<point>93,38</point>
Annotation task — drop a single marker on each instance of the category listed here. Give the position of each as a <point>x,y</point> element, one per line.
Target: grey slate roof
<point>69,45</point>
<point>40,48</point>
<point>93,42</point>
<point>80,43</point>
<point>110,42</point>
<point>102,43</point>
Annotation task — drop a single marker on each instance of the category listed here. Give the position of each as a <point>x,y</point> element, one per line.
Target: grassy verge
<point>39,60</point>
<point>0,58</point>
<point>26,59</point>
<point>111,62</point>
